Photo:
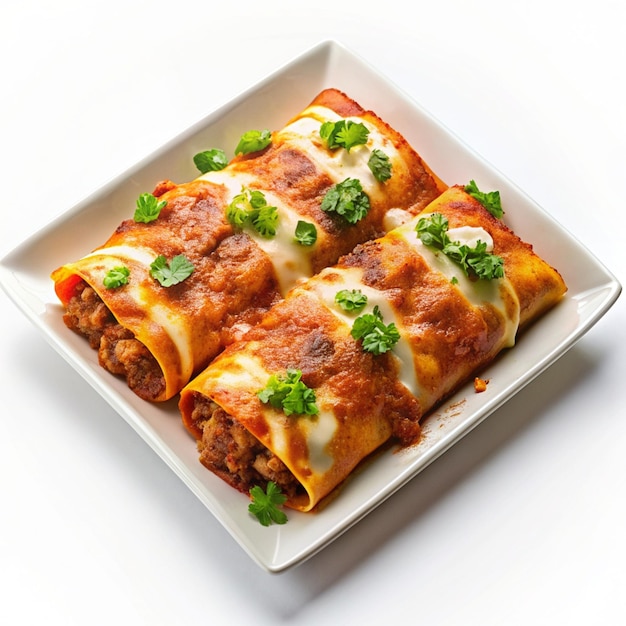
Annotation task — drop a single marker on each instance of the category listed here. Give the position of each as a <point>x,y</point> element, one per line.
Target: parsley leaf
<point>352,134</point>
<point>250,207</point>
<point>347,199</point>
<point>148,208</point>
<point>344,134</point>
<point>253,140</point>
<point>210,160</point>
<point>237,211</point>
<point>264,505</point>
<point>116,277</point>
<point>351,299</point>
<point>483,264</point>
<point>490,200</point>
<point>432,230</point>
<point>169,274</point>
<point>380,165</point>
<point>264,220</point>
<point>306,233</point>
<point>475,261</point>
<point>290,394</point>
<point>377,337</point>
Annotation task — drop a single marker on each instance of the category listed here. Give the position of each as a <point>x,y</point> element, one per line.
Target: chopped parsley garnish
<point>210,160</point>
<point>344,134</point>
<point>250,207</point>
<point>253,141</point>
<point>172,273</point>
<point>264,220</point>
<point>475,261</point>
<point>148,208</point>
<point>490,200</point>
<point>380,165</point>
<point>377,337</point>
<point>432,230</point>
<point>306,233</point>
<point>289,394</point>
<point>264,505</point>
<point>116,277</point>
<point>351,300</point>
<point>348,200</point>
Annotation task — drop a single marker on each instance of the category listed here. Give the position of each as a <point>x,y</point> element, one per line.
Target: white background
<point>523,522</point>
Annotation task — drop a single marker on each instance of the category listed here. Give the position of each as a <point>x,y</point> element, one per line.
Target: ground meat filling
<point>118,350</point>
<point>230,451</point>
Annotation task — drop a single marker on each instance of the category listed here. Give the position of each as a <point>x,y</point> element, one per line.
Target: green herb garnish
<point>377,337</point>
<point>148,208</point>
<point>264,220</point>
<point>351,300</point>
<point>264,505</point>
<point>490,200</point>
<point>250,207</point>
<point>432,230</point>
<point>475,261</point>
<point>290,394</point>
<point>253,141</point>
<point>380,165</point>
<point>116,277</point>
<point>344,134</point>
<point>172,273</point>
<point>210,160</point>
<point>306,233</point>
<point>348,200</point>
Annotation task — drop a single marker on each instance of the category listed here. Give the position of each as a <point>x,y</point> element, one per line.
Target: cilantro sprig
<point>116,277</point>
<point>250,207</point>
<point>347,199</point>
<point>289,394</point>
<point>351,300</point>
<point>265,504</point>
<point>253,141</point>
<point>490,200</point>
<point>379,165</point>
<point>148,208</point>
<point>172,273</point>
<point>474,261</point>
<point>211,160</point>
<point>344,134</point>
<point>377,337</point>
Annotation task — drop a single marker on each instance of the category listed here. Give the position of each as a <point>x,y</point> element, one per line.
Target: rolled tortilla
<point>450,326</point>
<point>159,337</point>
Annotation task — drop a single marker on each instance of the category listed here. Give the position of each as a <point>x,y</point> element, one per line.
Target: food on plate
<point>355,356</point>
<point>199,262</point>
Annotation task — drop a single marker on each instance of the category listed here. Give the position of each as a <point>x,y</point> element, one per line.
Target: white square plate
<point>24,274</point>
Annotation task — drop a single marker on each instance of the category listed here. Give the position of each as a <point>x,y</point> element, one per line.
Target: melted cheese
<point>352,278</point>
<point>303,133</point>
<point>497,292</point>
<point>394,218</point>
<point>178,331</point>
<point>290,260</point>
<point>247,372</point>
<point>319,432</point>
